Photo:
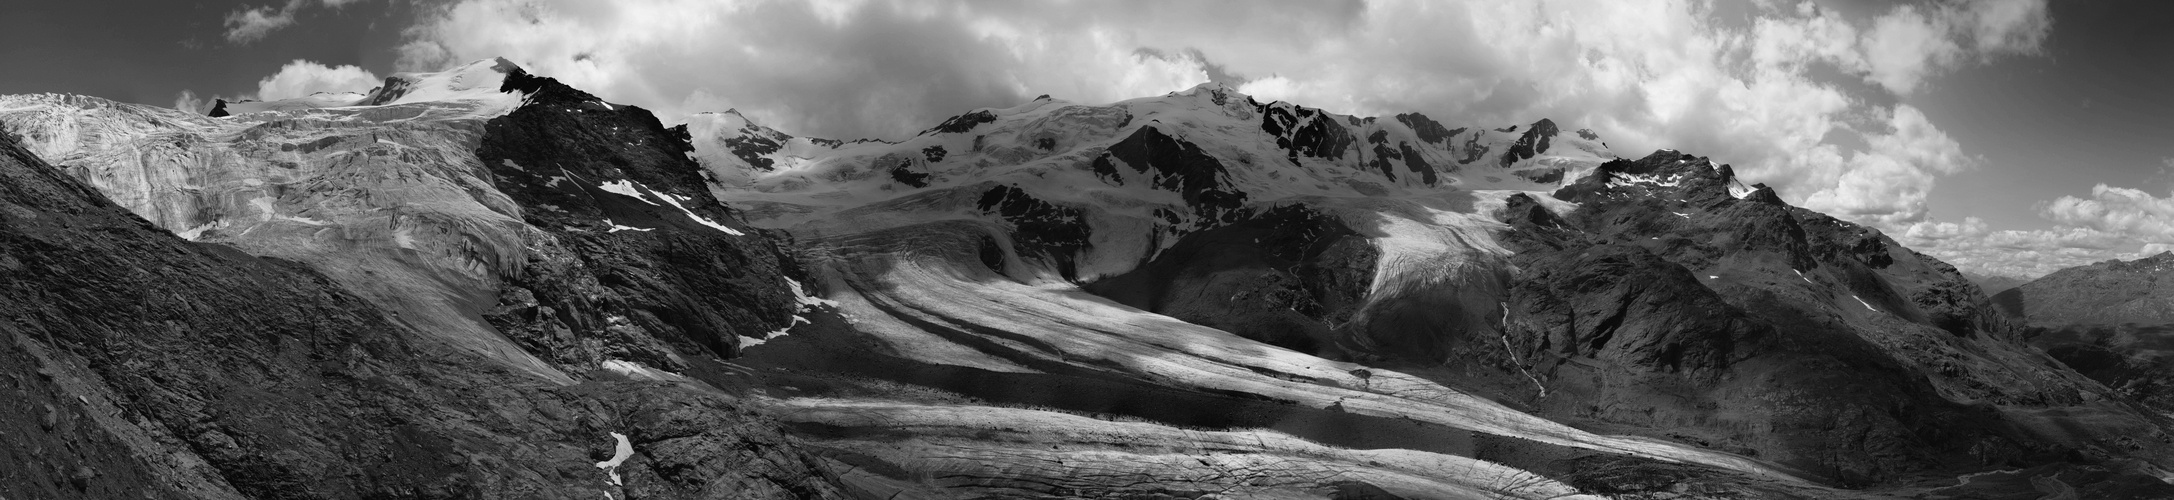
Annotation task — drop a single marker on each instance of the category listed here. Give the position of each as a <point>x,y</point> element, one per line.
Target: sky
<point>2007,137</point>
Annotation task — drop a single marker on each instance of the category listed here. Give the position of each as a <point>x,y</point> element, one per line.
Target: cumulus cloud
<point>2128,212</point>
<point>301,78</point>
<point>2110,223</point>
<point>253,23</point>
<point>188,101</point>
<point>846,69</point>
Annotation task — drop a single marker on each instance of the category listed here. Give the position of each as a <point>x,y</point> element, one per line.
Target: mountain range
<point>486,283</point>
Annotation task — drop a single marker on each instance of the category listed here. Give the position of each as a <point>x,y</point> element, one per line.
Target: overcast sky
<point>2006,136</point>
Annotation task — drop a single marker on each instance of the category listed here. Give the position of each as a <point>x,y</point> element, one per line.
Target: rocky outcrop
<point>1305,131</point>
<point>641,251</point>
<point>1180,167</point>
<point>1534,142</point>
<point>1287,277</point>
<point>1429,130</point>
<point>1040,229</point>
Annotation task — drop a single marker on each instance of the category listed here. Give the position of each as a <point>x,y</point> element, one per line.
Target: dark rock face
<point>754,149</point>
<point>1306,132</point>
<point>1383,154</point>
<point>1580,303</point>
<point>1288,277</point>
<point>1413,161</point>
<point>218,109</point>
<point>1473,150</point>
<point>1040,228</point>
<point>903,173</point>
<point>142,365</point>
<point>933,153</point>
<point>1531,144</point>
<point>1429,130</point>
<point>1178,167</point>
<point>1416,163</point>
<point>676,279</point>
<point>1644,310</point>
<point>963,123</point>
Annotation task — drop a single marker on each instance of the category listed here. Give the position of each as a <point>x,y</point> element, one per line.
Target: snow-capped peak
<point>480,80</point>
<point>475,90</point>
<point>1098,154</point>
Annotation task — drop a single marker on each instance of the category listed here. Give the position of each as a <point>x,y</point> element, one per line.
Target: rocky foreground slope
<point>140,364</point>
<point>484,283</point>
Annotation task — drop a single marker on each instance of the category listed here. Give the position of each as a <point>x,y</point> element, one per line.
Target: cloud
<point>2110,223</point>
<point>301,78</point>
<point>841,69</point>
<point>251,24</point>
<point>188,101</point>
<point>1972,247</point>
<point>2131,213</point>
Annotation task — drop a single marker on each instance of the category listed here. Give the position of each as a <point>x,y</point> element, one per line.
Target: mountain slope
<point>153,366</point>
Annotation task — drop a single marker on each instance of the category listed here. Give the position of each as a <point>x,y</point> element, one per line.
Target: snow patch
<point>615,227</point>
<point>668,198</point>
<point>806,301</point>
<point>638,371</point>
<point>619,455</point>
<point>1681,214</point>
<point>1738,190</point>
<point>626,187</point>
<point>193,233</point>
<point>1655,180</point>
<point>746,342</point>
<point>1862,301</point>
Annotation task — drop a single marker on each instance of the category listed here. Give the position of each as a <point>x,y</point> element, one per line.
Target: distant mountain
<point>486,283</point>
<point>2112,321</point>
<point>2106,293</point>
<point>1993,284</point>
